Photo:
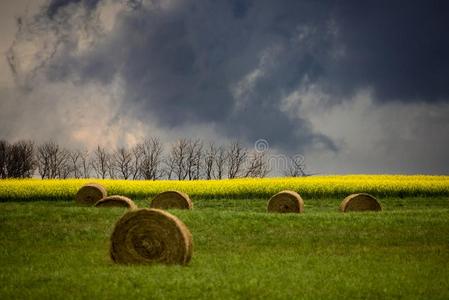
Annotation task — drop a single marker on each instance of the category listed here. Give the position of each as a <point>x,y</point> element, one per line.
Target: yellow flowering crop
<point>310,187</point>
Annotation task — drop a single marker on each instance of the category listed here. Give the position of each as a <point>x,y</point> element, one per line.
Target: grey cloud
<point>180,64</point>
<point>55,5</point>
<point>401,49</point>
<point>382,138</point>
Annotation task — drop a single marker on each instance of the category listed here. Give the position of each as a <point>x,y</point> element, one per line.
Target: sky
<point>353,86</point>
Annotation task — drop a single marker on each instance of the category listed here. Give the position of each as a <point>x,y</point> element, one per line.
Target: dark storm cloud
<point>400,48</point>
<point>55,5</point>
<point>230,63</point>
<point>182,64</point>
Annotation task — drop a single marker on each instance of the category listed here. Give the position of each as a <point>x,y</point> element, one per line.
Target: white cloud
<point>243,90</point>
<point>9,11</point>
<point>374,137</point>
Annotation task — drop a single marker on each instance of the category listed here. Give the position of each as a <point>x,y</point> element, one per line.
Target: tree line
<point>185,159</point>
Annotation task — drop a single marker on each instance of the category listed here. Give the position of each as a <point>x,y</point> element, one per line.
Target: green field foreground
<point>56,250</point>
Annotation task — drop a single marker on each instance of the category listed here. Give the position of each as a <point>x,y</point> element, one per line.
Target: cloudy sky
<point>354,86</point>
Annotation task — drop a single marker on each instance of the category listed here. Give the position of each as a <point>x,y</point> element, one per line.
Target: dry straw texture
<point>116,201</point>
<point>90,193</point>
<point>172,199</point>
<point>360,202</point>
<point>286,202</point>
<point>147,236</point>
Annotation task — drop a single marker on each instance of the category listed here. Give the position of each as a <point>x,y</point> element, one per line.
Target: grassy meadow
<point>56,249</point>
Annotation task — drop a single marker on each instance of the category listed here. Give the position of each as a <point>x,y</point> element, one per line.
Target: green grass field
<point>56,250</point>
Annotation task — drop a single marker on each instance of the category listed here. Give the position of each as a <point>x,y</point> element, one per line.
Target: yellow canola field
<point>311,187</point>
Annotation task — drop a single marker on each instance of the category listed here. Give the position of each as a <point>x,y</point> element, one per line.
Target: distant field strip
<point>309,187</point>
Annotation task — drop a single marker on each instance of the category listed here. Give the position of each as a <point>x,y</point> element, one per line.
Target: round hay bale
<point>116,201</point>
<point>286,202</point>
<point>360,202</point>
<point>146,236</point>
<point>172,199</point>
<point>90,193</point>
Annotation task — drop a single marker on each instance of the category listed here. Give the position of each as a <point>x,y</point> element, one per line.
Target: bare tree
<point>193,158</point>
<point>150,166</point>
<point>65,168</point>
<point>177,158</point>
<point>295,166</point>
<point>101,162</point>
<point>28,165</point>
<point>257,165</point>
<point>122,161</point>
<point>220,162</point>
<point>137,153</point>
<point>75,160</point>
<point>236,157</point>
<point>85,164</point>
<point>111,168</point>
<point>19,160</point>
<point>4,149</point>
<point>53,161</point>
<point>209,160</point>
<point>43,160</point>
<point>169,166</point>
<point>60,163</point>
